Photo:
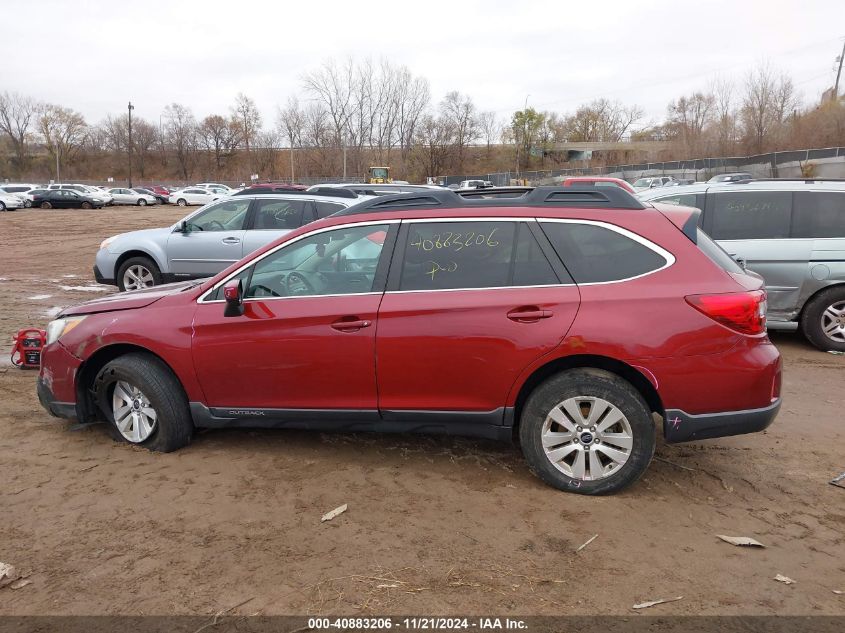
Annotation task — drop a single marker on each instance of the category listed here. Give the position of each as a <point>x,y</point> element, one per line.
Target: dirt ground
<point>434,526</point>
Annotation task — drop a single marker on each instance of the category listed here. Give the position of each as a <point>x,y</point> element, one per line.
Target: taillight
<point>744,312</point>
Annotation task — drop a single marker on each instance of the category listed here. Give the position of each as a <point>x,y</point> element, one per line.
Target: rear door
<point>214,240</point>
<point>470,304</point>
<point>273,217</point>
<point>755,225</point>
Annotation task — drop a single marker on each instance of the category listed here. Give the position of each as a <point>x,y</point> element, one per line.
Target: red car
<point>597,181</point>
<point>564,317</point>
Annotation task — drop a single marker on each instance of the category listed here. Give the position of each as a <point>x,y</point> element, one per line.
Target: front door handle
<point>529,314</point>
<point>351,326</point>
<point>231,240</point>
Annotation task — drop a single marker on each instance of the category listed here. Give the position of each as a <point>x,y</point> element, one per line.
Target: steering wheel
<point>270,292</point>
<point>297,284</point>
<point>216,222</point>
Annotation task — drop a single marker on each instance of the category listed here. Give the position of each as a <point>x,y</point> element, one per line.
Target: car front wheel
<point>182,202</point>
<point>587,431</point>
<point>144,402</point>
<point>142,202</point>
<point>138,272</point>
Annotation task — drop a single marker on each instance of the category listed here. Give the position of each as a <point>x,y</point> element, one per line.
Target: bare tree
<point>144,139</point>
<point>413,97</point>
<point>490,128</point>
<point>768,98</point>
<point>433,144</point>
<point>687,117</point>
<point>64,130</point>
<point>724,91</point>
<point>246,113</point>
<point>181,132</point>
<point>332,87</point>
<point>291,123</point>
<point>16,118</point>
<point>459,111</point>
<point>602,120</point>
<point>220,136</point>
<point>266,149</point>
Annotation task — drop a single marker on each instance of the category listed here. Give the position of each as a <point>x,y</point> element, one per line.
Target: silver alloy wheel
<point>182,202</point>
<point>833,322</point>
<point>134,417</point>
<point>137,277</point>
<point>142,202</point>
<point>587,438</point>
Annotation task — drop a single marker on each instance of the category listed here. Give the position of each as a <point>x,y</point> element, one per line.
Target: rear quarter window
<point>596,254</point>
<point>819,214</point>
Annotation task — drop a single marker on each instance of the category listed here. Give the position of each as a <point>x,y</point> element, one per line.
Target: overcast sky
<point>96,55</point>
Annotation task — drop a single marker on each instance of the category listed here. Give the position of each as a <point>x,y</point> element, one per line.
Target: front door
<point>470,305</point>
<point>213,240</point>
<point>306,339</point>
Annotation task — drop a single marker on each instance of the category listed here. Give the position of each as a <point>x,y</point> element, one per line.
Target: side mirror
<point>233,292</point>
<point>183,227</point>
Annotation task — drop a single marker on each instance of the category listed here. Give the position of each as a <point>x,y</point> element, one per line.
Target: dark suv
<point>562,317</point>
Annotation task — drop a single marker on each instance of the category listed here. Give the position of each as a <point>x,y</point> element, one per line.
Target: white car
<point>128,196</point>
<point>215,185</point>
<point>475,184</point>
<point>9,201</point>
<point>193,196</point>
<point>20,190</point>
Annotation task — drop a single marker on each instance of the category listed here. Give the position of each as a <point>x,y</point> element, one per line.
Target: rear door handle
<point>349,326</point>
<point>529,315</point>
<point>231,240</point>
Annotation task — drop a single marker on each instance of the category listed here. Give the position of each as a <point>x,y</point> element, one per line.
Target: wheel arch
<point>137,252</point>
<point>625,371</point>
<point>836,284</point>
<point>89,369</point>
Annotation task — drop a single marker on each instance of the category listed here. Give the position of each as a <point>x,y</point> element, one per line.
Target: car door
<point>755,225</point>
<point>470,304</point>
<point>213,240</point>
<point>272,218</point>
<point>304,346</point>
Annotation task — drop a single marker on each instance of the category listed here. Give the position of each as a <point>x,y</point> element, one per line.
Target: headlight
<point>56,329</point>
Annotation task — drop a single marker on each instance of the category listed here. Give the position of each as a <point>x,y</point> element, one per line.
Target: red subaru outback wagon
<point>564,317</point>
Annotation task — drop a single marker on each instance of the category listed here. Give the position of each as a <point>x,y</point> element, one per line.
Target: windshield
<point>643,182</point>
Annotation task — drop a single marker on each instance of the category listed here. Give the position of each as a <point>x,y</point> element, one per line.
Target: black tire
<point>142,202</point>
<point>587,382</point>
<point>182,202</point>
<point>174,427</point>
<point>811,319</point>
<point>2,206</point>
<point>86,205</point>
<point>144,262</point>
<point>46,205</point>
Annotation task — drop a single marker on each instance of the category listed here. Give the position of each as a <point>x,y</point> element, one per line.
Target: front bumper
<point>53,406</point>
<point>679,426</point>
<point>98,276</point>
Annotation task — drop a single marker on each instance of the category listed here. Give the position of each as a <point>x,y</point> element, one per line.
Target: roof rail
<point>322,191</point>
<point>578,197</point>
<point>808,181</point>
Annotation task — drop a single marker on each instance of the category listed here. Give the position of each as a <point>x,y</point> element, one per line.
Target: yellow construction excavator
<point>378,175</point>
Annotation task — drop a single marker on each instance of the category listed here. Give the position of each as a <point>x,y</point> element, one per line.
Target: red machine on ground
<point>26,353</point>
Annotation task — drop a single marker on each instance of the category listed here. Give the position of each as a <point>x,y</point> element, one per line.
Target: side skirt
<point>488,424</point>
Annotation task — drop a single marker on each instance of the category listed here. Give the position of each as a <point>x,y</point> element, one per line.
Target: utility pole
<point>131,107</point>
<point>291,162</point>
<point>58,173</point>
<point>838,73</point>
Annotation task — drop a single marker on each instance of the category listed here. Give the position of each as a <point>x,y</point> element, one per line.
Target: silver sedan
<point>127,196</point>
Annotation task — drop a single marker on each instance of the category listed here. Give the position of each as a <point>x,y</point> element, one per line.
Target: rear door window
<point>819,214</point>
<point>749,215</point>
<point>467,255</point>
<point>595,254</point>
<point>278,214</point>
<point>325,209</point>
<point>683,199</point>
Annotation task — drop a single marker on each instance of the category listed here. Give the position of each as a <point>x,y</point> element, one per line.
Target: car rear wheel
<point>27,204</point>
<point>823,320</point>
<point>138,272</point>
<point>142,202</point>
<point>86,205</point>
<point>46,205</point>
<point>182,202</point>
<point>587,431</point>
<point>144,402</point>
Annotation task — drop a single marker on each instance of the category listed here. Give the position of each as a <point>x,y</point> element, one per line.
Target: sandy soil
<point>434,525</point>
